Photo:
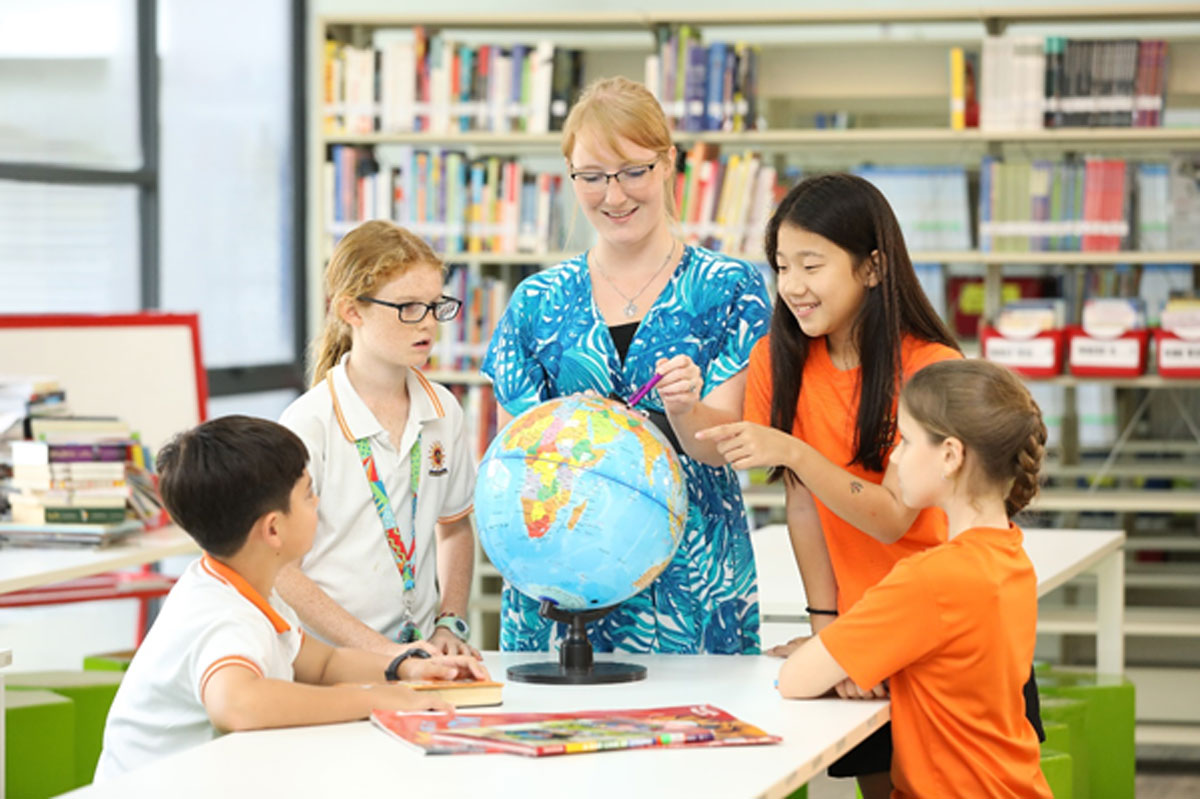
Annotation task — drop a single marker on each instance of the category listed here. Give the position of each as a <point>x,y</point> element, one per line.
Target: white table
<point>358,760</point>
<point>1057,556</point>
<point>30,567</point>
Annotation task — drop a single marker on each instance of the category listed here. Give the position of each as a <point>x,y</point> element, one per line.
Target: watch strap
<point>392,672</point>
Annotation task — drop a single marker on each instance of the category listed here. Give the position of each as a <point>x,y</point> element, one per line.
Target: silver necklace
<point>630,310</point>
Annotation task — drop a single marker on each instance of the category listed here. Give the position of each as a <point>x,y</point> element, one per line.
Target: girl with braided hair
<point>851,325</point>
<point>952,628</point>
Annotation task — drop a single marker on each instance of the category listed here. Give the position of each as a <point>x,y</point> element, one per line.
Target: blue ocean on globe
<point>581,501</point>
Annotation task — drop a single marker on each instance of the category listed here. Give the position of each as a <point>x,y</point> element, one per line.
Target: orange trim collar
<point>220,571</point>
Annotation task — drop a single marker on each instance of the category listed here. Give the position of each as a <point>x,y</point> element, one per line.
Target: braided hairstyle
<point>991,412</point>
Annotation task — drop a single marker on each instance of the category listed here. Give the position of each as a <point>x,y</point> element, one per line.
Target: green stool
<point>1056,768</point>
<point>92,693</point>
<point>109,661</point>
<point>1108,731</point>
<point>799,793</point>
<point>39,744</point>
<point>1060,711</point>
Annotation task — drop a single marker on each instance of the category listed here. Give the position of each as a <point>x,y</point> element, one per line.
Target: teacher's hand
<point>681,385</point>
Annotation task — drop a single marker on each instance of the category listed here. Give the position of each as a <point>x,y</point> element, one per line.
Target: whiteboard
<point>145,368</point>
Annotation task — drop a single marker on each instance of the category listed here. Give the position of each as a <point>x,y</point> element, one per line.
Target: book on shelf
<point>703,87</point>
<point>417,80</point>
<point>38,453</point>
<point>65,533</point>
<point>76,429</point>
<point>543,734</point>
<point>1031,82</point>
<point>461,693</point>
<point>36,513</point>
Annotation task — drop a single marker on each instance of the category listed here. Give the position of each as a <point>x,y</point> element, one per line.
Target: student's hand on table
<point>746,445</point>
<point>783,650</point>
<point>444,667</point>
<point>846,689</point>
<point>447,643</point>
<point>681,384</point>
<point>393,696</point>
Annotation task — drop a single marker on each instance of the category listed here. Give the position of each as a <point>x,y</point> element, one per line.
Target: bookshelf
<point>896,85</point>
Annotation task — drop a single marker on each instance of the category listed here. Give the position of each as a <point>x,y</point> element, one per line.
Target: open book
<point>541,734</point>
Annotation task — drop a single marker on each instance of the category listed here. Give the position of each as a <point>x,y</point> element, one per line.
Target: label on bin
<point>1113,352</point>
<point>1177,353</point>
<point>1035,352</point>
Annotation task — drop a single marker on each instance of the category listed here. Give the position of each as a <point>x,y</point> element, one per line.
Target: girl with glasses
<point>640,302</point>
<point>389,458</point>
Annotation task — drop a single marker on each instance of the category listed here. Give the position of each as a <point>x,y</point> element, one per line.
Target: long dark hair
<point>854,215</point>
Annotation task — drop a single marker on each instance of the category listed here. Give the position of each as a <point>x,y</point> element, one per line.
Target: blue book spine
<point>715,93</point>
<point>985,201</point>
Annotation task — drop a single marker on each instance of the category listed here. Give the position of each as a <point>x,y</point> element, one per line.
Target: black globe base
<point>556,674</point>
<point>576,665</point>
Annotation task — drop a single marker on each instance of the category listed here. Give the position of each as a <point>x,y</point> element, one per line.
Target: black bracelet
<point>392,672</point>
<point>818,612</point>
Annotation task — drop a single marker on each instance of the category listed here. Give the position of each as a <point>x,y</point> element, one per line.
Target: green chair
<point>92,692</point>
<point>1056,768</point>
<point>39,744</point>
<point>1107,731</point>
<point>109,661</point>
<point>1061,711</point>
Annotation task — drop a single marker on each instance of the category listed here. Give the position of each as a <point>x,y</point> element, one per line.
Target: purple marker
<point>644,390</point>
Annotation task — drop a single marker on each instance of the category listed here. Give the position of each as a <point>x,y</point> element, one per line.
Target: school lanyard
<point>404,556</point>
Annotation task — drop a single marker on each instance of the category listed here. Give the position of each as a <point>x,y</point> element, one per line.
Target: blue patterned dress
<point>553,341</point>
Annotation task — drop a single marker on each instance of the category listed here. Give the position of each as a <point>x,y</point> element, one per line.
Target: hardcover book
<point>544,734</point>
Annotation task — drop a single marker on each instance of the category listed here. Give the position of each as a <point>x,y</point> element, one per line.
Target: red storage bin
<point>1040,356</point>
<point>1121,356</point>
<point>1177,356</point>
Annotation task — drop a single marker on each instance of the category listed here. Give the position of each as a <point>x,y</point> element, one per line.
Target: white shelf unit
<point>886,74</point>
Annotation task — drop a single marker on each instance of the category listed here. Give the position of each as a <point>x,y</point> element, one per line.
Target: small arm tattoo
<point>855,486</point>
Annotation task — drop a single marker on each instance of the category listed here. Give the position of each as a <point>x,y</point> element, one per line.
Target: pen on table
<point>644,390</point>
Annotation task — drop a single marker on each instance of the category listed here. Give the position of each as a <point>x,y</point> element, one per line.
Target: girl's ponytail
<point>1029,463</point>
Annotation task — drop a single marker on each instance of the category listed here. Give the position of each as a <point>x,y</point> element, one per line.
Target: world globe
<point>580,501</point>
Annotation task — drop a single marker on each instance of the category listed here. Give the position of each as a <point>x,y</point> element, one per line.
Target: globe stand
<point>575,664</point>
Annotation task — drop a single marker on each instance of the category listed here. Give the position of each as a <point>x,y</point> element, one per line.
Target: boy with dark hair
<point>226,653</point>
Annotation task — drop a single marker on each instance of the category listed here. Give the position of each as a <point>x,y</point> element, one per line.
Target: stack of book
<point>724,200</point>
<point>411,79</point>
<point>713,87</point>
<point>26,395</point>
<point>79,479</point>
<point>457,203</point>
<point>1032,82</point>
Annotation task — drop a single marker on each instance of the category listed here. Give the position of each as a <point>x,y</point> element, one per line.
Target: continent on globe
<point>581,501</point>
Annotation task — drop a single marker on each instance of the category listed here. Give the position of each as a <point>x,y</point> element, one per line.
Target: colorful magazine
<point>543,734</point>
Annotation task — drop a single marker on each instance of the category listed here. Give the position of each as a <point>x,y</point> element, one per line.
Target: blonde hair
<point>366,257</point>
<point>989,410</point>
<point>617,108</point>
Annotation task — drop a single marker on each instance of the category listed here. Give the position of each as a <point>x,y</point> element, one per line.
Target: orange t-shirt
<point>825,418</point>
<point>954,628</point>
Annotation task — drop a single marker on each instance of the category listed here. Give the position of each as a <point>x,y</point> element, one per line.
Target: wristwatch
<point>454,623</point>
<point>392,672</point>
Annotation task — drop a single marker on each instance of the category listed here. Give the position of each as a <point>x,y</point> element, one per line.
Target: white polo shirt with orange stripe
<point>350,559</point>
<point>212,619</point>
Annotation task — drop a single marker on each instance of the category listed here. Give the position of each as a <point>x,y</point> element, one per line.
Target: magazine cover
<point>543,734</point>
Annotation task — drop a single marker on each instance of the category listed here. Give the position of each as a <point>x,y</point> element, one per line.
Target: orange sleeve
<point>926,353</point>
<point>757,405</point>
<point>896,623</point>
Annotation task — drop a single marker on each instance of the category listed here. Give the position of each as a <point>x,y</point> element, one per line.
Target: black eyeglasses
<point>444,309</point>
<point>631,177</point>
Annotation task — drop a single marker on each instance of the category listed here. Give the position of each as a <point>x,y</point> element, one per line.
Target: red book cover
<point>1093,197</point>
<point>544,734</point>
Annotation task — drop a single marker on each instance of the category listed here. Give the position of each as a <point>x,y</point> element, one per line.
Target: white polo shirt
<point>350,559</point>
<point>212,618</point>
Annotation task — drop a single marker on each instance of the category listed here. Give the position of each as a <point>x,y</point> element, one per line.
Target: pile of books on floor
<point>76,479</point>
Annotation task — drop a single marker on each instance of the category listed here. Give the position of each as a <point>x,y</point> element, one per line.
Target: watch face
<point>455,625</point>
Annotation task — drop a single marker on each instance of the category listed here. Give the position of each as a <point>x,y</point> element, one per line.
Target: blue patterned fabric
<point>553,341</point>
